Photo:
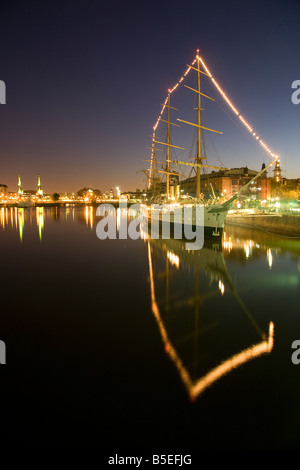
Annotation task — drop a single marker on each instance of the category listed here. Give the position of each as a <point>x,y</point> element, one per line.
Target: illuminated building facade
<point>3,190</point>
<point>226,183</point>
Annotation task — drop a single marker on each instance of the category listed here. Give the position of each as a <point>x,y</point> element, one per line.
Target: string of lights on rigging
<point>224,96</point>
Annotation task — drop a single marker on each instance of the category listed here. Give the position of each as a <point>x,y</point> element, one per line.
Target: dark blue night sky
<point>85,80</point>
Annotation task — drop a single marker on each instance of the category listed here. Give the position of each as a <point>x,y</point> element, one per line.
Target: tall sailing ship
<point>159,204</point>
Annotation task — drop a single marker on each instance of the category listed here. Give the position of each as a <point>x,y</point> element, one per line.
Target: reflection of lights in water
<point>144,232</point>
<point>221,287</point>
<point>11,217</point>
<point>118,218</point>
<point>122,222</point>
<point>89,216</point>
<point>40,220</point>
<point>227,243</point>
<point>270,257</point>
<point>248,248</point>
<point>195,388</point>
<point>21,223</point>
<point>133,211</point>
<point>233,362</point>
<point>2,217</point>
<point>174,259</point>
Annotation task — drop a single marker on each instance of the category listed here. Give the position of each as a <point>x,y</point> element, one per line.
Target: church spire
<point>20,189</point>
<point>40,192</point>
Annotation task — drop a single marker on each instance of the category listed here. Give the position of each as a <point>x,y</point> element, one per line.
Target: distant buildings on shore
<point>3,190</point>
<point>85,195</point>
<point>222,184</point>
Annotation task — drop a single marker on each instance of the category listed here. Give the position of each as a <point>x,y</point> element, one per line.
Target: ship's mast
<point>168,172</point>
<point>154,172</point>
<point>168,149</point>
<point>154,168</point>
<point>199,159</point>
<point>198,163</point>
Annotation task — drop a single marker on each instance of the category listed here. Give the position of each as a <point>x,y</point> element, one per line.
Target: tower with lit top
<point>277,172</point>
<point>40,192</point>
<point>20,189</point>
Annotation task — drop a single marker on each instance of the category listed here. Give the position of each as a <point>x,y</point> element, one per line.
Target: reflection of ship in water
<point>206,328</point>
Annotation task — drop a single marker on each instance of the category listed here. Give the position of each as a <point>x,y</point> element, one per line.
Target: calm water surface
<point>160,348</point>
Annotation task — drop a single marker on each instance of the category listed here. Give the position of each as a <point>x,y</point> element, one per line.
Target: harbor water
<point>135,346</point>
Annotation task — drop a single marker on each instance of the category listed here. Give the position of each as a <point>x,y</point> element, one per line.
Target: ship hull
<point>212,221</point>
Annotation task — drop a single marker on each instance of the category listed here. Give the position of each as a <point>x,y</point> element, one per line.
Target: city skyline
<point>85,84</point>
<point>274,175</point>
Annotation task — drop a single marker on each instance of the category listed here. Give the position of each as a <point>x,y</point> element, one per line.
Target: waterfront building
<point>3,190</point>
<point>226,183</point>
